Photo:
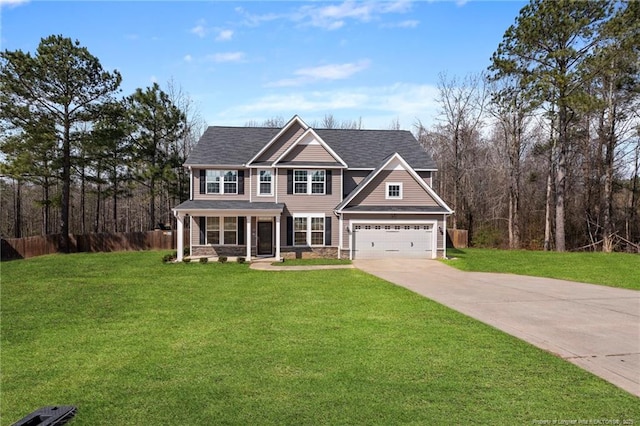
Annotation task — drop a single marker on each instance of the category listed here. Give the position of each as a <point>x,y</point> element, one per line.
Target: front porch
<point>230,228</point>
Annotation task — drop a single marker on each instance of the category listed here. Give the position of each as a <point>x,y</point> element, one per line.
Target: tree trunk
<point>608,132</point>
<point>17,232</point>
<point>66,183</point>
<point>560,177</point>
<point>547,210</point>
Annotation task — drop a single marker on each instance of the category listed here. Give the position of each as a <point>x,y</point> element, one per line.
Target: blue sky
<point>377,61</point>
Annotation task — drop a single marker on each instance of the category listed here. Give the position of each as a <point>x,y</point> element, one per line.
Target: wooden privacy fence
<point>457,238</point>
<point>24,248</point>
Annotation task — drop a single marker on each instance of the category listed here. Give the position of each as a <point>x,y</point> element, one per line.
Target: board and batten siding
<point>198,196</point>
<point>374,194</point>
<point>315,152</point>
<point>380,219</point>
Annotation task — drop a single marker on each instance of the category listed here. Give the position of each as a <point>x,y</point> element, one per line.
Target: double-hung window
<point>226,235</point>
<point>222,181</point>
<point>213,230</point>
<point>309,182</point>
<point>266,182</point>
<point>300,180</point>
<point>317,182</point>
<point>308,230</point>
<point>230,230</point>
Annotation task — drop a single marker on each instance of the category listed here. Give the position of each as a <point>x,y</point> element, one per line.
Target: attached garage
<point>393,240</point>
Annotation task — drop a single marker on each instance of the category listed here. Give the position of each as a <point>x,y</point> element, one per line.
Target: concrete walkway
<point>267,265</point>
<point>594,327</point>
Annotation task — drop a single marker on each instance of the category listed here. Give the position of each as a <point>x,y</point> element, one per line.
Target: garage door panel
<point>392,241</point>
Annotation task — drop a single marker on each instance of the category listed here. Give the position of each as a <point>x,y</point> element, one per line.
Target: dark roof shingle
<point>360,149</point>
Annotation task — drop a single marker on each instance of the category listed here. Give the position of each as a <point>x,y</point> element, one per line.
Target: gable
<point>280,144</point>
<point>374,194</point>
<point>372,191</point>
<point>309,148</point>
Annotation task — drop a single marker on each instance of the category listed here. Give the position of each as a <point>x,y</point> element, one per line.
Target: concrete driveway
<point>594,327</point>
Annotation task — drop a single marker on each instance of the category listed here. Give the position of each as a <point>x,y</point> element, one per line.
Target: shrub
<point>186,260</point>
<point>203,260</point>
<point>168,258</point>
<point>185,251</point>
<point>222,259</point>
<point>241,260</point>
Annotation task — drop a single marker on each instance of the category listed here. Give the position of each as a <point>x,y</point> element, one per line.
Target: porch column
<point>340,235</point>
<point>278,237</point>
<point>180,236</point>
<point>248,220</point>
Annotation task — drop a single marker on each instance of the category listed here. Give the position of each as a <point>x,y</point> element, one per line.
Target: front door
<point>265,238</point>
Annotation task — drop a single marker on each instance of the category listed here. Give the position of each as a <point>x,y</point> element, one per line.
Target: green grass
<point>319,261</point>
<point>132,341</point>
<point>610,269</point>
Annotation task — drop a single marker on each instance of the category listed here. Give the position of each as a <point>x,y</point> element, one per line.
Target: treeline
<point>79,158</point>
<point>543,149</point>
<point>540,151</point>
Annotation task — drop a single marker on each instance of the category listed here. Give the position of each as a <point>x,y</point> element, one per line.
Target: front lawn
<point>132,341</point>
<point>611,269</point>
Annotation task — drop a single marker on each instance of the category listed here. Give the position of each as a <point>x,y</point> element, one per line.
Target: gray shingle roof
<point>364,149</point>
<point>228,205</point>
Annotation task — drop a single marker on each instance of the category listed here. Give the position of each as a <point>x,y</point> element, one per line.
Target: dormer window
<point>394,191</point>
<point>222,181</point>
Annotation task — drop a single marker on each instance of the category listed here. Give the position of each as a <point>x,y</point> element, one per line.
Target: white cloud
<point>12,3</point>
<point>253,20</point>
<point>409,23</point>
<point>226,57</point>
<point>323,72</point>
<point>187,58</point>
<point>200,29</point>
<point>332,16</point>
<point>224,35</point>
<point>377,106</point>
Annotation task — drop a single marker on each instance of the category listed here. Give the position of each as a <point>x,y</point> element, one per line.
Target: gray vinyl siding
<point>380,218</point>
<point>374,194</point>
<point>352,178</point>
<point>309,204</point>
<point>281,144</point>
<point>198,196</point>
<point>309,153</point>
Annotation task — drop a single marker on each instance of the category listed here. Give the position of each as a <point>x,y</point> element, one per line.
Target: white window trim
<point>310,182</point>
<point>386,191</point>
<point>221,231</point>
<point>309,216</point>
<point>270,194</point>
<point>221,182</point>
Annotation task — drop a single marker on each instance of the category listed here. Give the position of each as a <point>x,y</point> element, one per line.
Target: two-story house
<point>297,190</point>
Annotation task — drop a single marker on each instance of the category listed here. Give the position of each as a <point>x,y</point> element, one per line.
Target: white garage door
<point>386,240</point>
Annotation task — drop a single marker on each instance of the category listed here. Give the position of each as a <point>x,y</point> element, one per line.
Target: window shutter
<point>203,181</point>
<point>327,177</point>
<point>241,230</point>
<point>289,181</point>
<point>327,231</point>
<point>289,230</point>
<point>203,229</point>
<point>240,181</point>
